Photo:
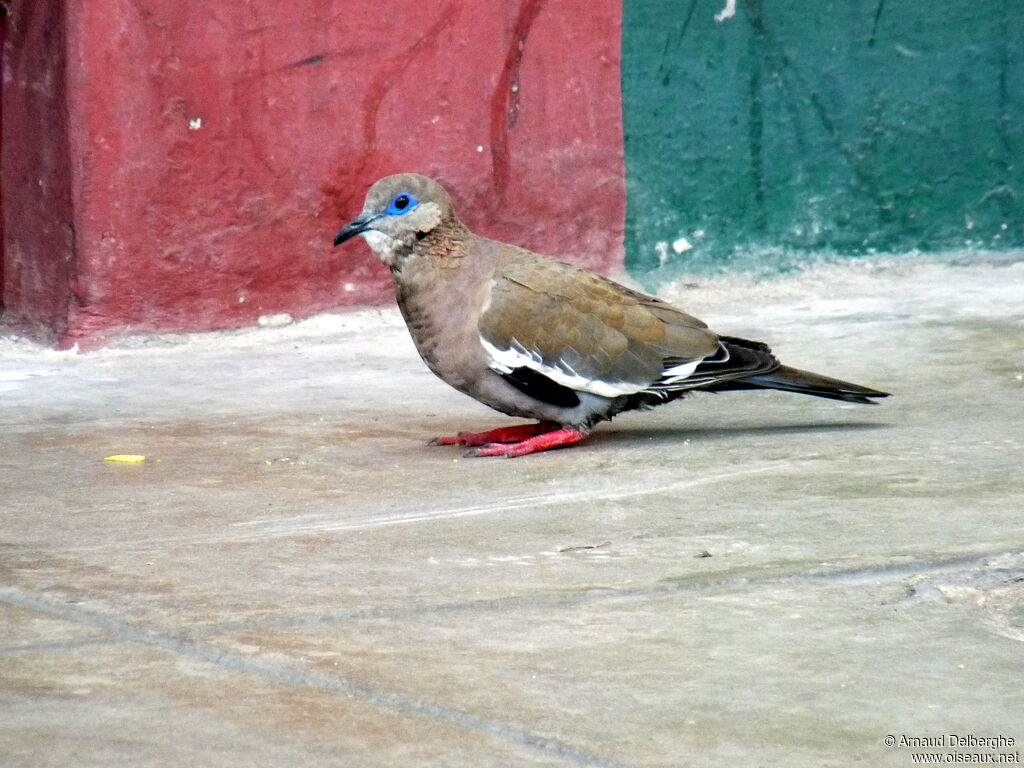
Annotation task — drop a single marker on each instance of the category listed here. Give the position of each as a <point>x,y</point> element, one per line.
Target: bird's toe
<point>456,440</point>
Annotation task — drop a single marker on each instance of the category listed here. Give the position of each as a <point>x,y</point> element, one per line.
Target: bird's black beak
<point>357,226</point>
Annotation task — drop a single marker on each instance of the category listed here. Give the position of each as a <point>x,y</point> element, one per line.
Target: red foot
<point>543,442</point>
<point>514,434</point>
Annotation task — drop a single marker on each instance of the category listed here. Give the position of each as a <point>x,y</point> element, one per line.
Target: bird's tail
<point>806,383</point>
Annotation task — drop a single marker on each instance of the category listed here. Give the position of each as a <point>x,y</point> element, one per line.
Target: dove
<point>541,339</point>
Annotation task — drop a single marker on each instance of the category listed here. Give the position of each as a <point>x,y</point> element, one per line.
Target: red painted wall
<point>36,173</point>
<point>198,157</point>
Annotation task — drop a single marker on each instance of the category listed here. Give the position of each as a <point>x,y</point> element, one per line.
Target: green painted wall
<point>802,126</point>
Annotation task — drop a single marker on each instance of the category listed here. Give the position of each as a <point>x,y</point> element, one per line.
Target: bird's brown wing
<point>584,331</point>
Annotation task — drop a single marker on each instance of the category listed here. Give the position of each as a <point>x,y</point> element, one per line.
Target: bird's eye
<point>401,204</point>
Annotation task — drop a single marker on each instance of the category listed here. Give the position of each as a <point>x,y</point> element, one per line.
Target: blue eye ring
<point>401,203</point>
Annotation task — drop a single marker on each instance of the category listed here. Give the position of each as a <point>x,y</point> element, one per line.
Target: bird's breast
<point>442,315</point>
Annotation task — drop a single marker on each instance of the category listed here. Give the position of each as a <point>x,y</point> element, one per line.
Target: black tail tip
<point>806,383</point>
<point>864,398</point>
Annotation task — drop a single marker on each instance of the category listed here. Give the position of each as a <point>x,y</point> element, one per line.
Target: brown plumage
<point>542,339</point>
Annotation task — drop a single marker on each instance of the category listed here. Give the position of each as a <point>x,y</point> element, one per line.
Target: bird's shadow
<point>629,434</point>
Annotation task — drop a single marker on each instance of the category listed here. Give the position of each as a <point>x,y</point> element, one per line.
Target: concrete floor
<point>295,578</point>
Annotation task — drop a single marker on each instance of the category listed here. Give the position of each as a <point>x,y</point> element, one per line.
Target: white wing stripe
<point>505,360</point>
<point>677,373</point>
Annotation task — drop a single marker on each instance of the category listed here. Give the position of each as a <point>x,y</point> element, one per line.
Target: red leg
<point>535,444</point>
<point>514,434</point>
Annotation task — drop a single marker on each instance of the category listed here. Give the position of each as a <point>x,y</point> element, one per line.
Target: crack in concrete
<point>884,573</point>
<point>279,673</point>
<point>404,705</point>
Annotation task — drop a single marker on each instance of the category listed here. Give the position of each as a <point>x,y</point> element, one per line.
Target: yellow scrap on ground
<point>126,458</point>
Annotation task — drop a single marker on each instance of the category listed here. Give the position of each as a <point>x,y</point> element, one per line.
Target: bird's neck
<point>442,248</point>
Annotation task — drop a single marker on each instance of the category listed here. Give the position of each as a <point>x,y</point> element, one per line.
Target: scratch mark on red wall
<point>365,165</point>
<point>505,99</point>
<point>388,74</point>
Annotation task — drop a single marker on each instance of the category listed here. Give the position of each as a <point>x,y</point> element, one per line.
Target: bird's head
<point>399,211</point>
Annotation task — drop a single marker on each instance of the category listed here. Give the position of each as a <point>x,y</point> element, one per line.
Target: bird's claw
<point>542,442</point>
<point>518,440</point>
<point>458,440</point>
<point>515,434</point>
